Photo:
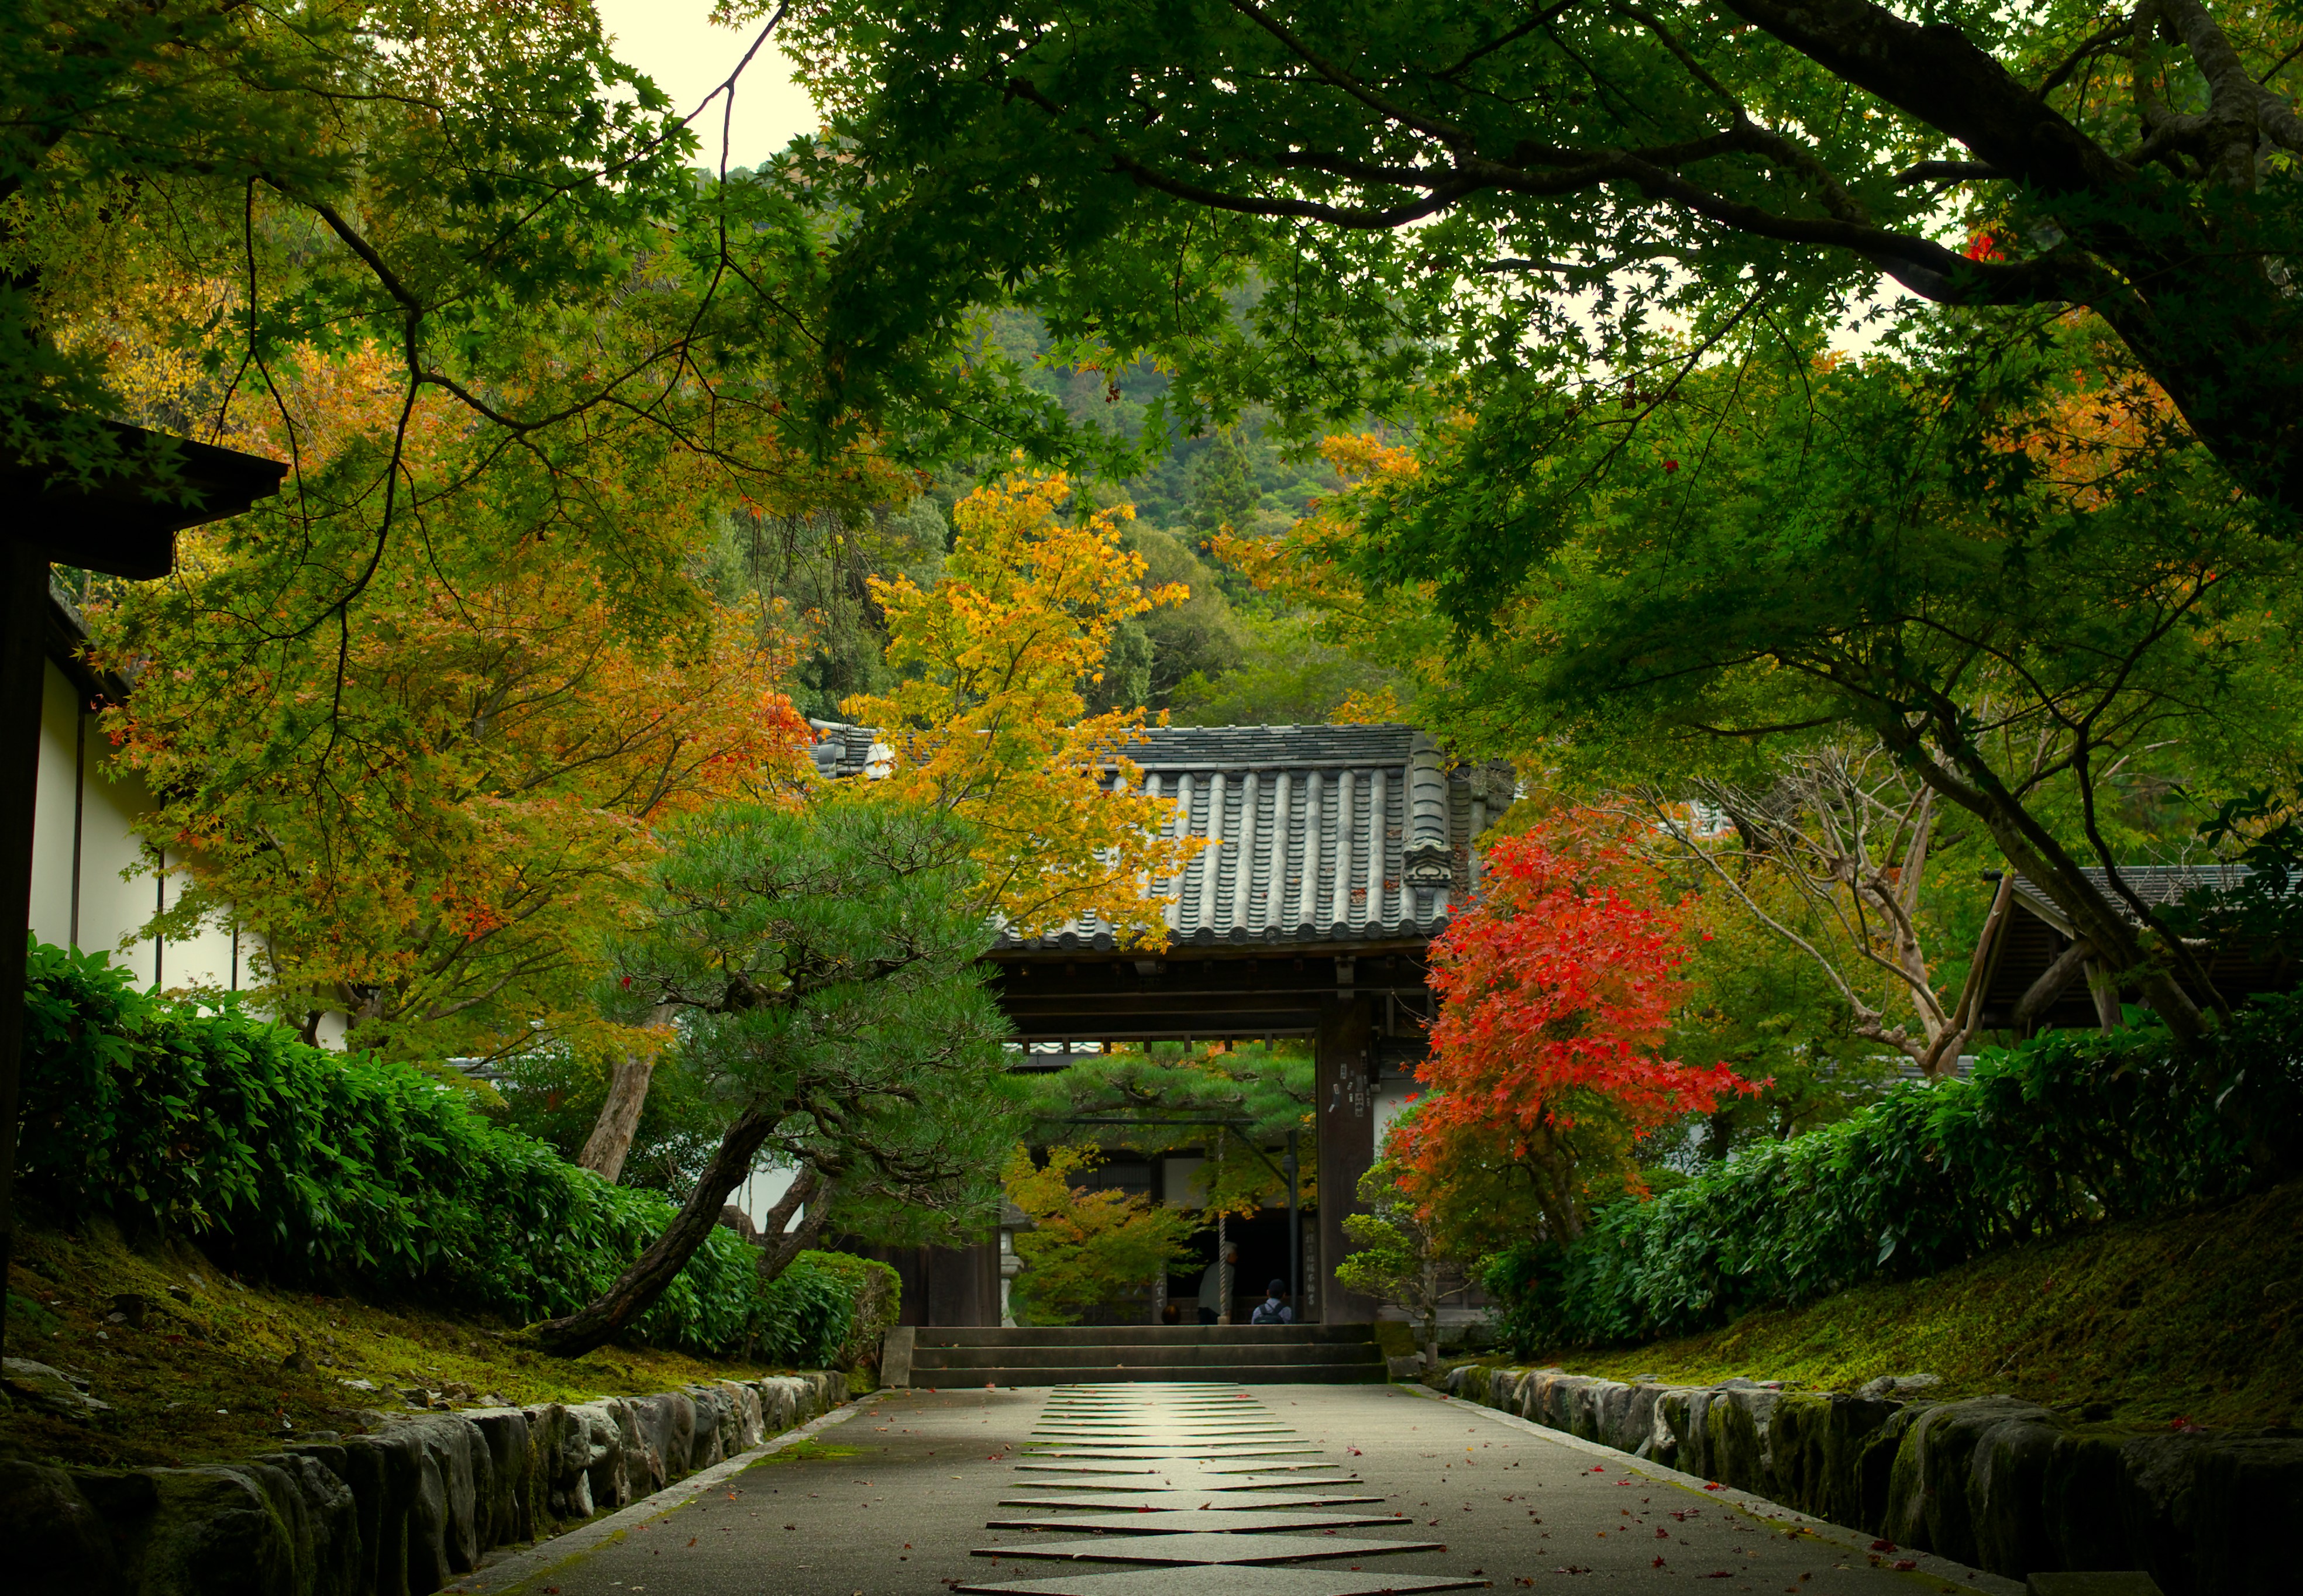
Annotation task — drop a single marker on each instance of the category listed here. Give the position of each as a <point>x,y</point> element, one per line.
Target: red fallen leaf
<point>1905,1564</point>
<point>1431,1521</point>
<point>1662,1534</point>
<point>691,1540</point>
<point>1716,1573</point>
<point>1477,1572</point>
<point>1659,1563</point>
<point>1883,1546</point>
<point>2184,1426</point>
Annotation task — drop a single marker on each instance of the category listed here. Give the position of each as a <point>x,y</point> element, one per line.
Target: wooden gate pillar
<point>1346,1106</point>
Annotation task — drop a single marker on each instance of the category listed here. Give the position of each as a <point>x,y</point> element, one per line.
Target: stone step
<point>1243,1374</point>
<point>1194,1359</point>
<point>1143,1335</point>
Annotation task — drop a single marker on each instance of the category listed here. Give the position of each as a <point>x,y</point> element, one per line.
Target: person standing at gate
<point>1215,1281</point>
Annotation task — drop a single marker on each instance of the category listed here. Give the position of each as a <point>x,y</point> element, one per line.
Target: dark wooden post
<point>1346,1110</point>
<point>24,612</point>
<point>1294,1229</point>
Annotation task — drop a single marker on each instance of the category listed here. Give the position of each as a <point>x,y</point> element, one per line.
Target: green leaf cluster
<point>1087,1249</point>
<point>358,1176</point>
<point>2069,1128</point>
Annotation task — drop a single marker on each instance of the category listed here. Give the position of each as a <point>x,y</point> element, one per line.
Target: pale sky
<point>672,42</point>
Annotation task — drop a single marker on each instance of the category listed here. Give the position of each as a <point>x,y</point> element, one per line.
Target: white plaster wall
<point>76,794</point>
<point>763,1190</point>
<point>1391,1095</point>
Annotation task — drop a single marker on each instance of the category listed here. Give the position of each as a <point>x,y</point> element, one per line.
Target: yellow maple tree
<point>990,723</point>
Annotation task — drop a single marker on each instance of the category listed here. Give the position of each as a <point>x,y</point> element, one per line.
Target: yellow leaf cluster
<point>989,721</point>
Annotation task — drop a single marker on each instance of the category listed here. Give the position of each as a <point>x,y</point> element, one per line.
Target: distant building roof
<point>842,749</point>
<point>1323,834</point>
<point>2027,945</point>
<point>2155,883</point>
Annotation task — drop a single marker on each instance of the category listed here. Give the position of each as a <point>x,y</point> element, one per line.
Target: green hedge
<point>2069,1128</point>
<point>325,1169</point>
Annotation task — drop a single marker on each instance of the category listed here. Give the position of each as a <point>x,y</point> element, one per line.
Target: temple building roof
<point>1323,834</point>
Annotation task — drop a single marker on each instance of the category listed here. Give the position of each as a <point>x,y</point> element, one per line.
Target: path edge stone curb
<point>515,1567</point>
<point>1991,1482</point>
<point>402,1510</point>
<point>1853,1541</point>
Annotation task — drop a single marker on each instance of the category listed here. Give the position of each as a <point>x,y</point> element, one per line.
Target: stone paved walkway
<point>1150,1490</point>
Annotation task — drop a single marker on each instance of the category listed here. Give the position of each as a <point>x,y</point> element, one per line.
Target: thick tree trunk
<point>611,1141</point>
<point>2032,850</point>
<point>781,1241</point>
<point>2041,994</point>
<point>600,1320</point>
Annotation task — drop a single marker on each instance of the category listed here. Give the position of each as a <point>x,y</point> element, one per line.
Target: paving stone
<point>1158,1420</point>
<point>1184,1480</point>
<point>1185,1581</point>
<point>1206,1547</point>
<point>1172,1521</point>
<point>1169,1500</point>
<point>1217,1449</point>
<point>1193,1429</point>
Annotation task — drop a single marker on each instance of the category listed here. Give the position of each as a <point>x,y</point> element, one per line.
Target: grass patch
<point>807,1450</point>
<point>2195,1315</point>
<point>222,1368</point>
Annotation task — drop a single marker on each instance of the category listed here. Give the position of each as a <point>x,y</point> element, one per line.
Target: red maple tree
<point>1556,993</point>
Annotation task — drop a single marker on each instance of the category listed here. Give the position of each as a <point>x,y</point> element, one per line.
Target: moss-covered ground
<point>2197,1317</point>
<point>206,1368</point>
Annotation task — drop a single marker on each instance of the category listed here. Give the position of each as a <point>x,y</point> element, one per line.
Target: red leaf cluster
<point>1559,983</point>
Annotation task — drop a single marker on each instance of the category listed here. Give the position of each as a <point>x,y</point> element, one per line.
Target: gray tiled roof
<point>2155,883</point>
<point>1324,834</point>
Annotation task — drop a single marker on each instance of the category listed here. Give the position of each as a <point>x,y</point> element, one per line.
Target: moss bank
<point>2189,1316</point>
<point>202,1367</point>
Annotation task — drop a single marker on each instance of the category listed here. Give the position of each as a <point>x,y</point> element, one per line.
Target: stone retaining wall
<point>399,1511</point>
<point>1991,1481</point>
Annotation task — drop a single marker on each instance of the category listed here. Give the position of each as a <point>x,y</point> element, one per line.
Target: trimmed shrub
<point>831,1309</point>
<point>321,1168</point>
<point>2072,1127</point>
